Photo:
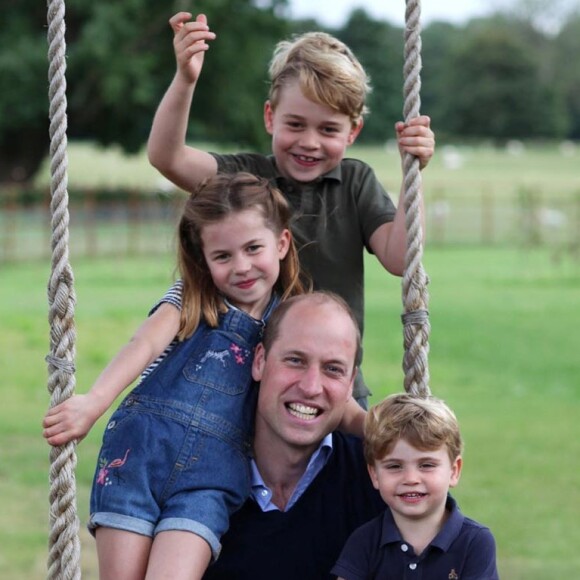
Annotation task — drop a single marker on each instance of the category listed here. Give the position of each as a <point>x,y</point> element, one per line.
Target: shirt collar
<point>451,528</point>
<point>262,494</point>
<point>443,540</point>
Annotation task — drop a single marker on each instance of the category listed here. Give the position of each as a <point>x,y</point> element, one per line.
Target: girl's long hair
<point>216,199</point>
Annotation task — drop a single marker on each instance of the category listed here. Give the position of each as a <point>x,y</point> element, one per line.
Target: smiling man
<point>310,485</point>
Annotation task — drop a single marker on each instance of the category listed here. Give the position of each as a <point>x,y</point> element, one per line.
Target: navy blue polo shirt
<point>462,550</point>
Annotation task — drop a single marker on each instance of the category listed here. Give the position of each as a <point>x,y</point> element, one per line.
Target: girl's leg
<point>122,555</point>
<point>177,555</point>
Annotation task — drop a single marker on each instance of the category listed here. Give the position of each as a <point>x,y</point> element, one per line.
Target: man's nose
<point>311,381</point>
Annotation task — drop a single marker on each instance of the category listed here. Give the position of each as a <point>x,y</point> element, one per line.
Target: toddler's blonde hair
<point>426,423</point>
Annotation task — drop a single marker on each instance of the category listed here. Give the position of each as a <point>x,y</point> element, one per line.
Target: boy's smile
<point>308,139</point>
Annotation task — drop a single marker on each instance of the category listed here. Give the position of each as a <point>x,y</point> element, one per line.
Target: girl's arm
<point>167,150</point>
<point>74,418</point>
<point>353,419</point>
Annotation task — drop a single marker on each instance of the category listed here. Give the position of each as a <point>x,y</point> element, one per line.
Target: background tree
<point>567,72</point>
<point>23,100</point>
<point>120,61</point>
<point>439,42</point>
<point>494,87</point>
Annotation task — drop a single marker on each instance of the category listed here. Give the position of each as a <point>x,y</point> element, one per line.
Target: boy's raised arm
<point>167,150</point>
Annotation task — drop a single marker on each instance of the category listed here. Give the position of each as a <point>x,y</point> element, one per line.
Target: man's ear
<point>268,117</point>
<point>258,362</point>
<point>354,374</point>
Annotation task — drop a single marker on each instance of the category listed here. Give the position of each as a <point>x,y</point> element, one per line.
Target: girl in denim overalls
<point>174,460</point>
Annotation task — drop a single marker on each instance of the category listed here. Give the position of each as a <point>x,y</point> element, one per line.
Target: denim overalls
<point>175,452</point>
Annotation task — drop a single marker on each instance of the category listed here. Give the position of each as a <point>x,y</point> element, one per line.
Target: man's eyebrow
<point>294,352</point>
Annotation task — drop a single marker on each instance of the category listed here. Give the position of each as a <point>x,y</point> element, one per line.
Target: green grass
<point>504,354</point>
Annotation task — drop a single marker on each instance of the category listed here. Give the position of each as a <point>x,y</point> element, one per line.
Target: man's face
<point>306,378</point>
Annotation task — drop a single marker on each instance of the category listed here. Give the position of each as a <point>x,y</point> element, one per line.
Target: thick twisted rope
<point>415,296</point>
<point>64,544</point>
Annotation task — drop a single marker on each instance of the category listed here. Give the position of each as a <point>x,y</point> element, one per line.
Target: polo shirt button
<point>264,493</point>
<point>413,566</point>
<point>404,547</point>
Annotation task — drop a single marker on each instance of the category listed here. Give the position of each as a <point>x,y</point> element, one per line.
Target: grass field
<point>504,354</point>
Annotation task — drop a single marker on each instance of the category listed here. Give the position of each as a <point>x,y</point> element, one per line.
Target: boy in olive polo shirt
<point>314,112</point>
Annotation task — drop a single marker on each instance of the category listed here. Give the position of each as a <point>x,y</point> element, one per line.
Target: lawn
<point>504,354</point>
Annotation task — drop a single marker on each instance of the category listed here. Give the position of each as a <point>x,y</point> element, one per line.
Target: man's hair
<point>327,71</point>
<point>272,331</point>
<point>216,199</point>
<point>425,423</point>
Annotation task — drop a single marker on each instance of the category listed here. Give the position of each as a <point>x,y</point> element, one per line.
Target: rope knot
<point>415,317</point>
<point>62,364</point>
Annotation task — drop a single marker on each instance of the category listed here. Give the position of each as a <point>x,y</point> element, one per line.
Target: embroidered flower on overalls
<point>103,475</point>
<point>240,354</point>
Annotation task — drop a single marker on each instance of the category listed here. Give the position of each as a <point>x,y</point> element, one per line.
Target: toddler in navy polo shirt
<point>413,452</point>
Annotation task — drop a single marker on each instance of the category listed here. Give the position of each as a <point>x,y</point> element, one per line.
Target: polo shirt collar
<point>443,540</point>
<point>451,528</point>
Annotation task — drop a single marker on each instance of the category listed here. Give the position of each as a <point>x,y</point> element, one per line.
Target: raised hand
<point>190,43</point>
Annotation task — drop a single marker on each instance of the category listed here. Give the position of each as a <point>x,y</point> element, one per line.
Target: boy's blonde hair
<point>425,423</point>
<point>327,70</point>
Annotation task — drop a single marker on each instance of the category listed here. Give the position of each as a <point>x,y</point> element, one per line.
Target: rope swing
<point>415,316</point>
<point>64,544</point>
